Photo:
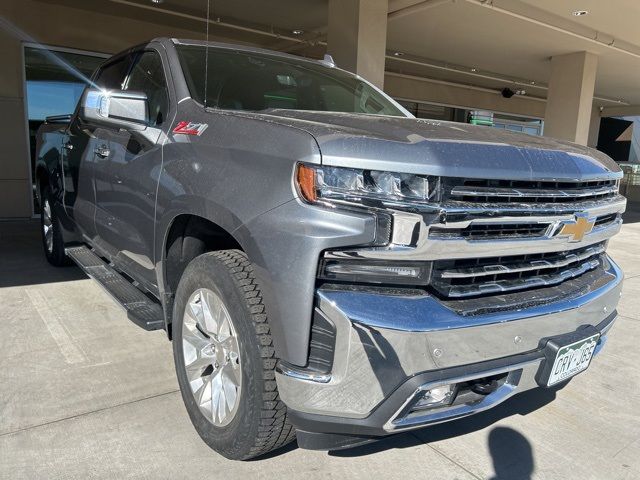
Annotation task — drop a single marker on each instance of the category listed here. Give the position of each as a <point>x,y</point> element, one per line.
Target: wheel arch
<point>186,236</point>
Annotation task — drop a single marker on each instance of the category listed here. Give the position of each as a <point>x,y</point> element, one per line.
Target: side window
<point>112,75</point>
<point>147,76</point>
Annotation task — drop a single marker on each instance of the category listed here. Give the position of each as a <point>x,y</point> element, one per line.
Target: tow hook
<point>484,386</point>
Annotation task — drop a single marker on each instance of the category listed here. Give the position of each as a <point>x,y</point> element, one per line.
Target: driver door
<point>130,166</point>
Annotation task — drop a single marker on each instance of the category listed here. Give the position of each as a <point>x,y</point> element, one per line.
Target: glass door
<point>54,81</point>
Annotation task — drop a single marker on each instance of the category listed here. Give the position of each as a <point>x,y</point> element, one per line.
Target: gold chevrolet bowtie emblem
<point>578,228</point>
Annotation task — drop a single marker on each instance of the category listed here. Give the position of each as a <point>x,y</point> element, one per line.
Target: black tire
<point>260,423</point>
<point>54,251</point>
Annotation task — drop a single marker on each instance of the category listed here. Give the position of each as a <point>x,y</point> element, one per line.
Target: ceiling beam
<point>261,30</point>
<point>460,85</point>
<point>416,7</point>
<point>621,111</point>
<point>482,74</point>
<point>317,37</point>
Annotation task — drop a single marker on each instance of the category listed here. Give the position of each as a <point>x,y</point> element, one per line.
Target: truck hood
<point>443,148</point>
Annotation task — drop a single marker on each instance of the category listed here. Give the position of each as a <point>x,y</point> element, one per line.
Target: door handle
<point>102,151</point>
<point>67,146</point>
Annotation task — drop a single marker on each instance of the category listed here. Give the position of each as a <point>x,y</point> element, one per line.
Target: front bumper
<point>391,345</point>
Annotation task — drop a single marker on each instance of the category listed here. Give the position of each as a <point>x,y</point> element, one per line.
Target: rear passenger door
<point>125,200</point>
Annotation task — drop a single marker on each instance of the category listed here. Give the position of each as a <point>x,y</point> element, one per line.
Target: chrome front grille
<point>509,229</point>
<point>537,192</point>
<point>504,239</point>
<point>482,276</point>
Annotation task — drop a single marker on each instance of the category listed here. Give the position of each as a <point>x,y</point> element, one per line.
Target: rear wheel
<point>52,240</point>
<point>225,358</point>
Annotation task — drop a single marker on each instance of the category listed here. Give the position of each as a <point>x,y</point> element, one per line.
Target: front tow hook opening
<point>485,386</point>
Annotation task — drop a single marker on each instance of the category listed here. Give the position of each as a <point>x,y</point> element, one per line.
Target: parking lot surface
<point>84,393</point>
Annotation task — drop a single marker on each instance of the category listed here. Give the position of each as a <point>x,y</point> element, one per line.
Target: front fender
<point>284,245</point>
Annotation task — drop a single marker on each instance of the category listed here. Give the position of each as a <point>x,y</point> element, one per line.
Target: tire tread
<point>275,430</point>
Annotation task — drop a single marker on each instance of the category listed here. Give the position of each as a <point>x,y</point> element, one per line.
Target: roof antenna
<point>206,56</point>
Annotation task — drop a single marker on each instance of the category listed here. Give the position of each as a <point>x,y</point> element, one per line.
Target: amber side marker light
<point>307,183</point>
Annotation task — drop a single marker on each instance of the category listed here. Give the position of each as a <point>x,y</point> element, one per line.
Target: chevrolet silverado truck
<point>327,265</point>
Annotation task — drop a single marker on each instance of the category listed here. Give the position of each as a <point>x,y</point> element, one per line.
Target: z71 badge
<point>190,128</point>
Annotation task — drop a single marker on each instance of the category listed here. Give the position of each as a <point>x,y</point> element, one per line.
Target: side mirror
<point>122,109</point>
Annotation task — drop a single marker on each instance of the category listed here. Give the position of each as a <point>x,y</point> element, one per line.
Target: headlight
<point>367,187</point>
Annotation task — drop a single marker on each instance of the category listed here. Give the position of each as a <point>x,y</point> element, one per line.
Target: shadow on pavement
<point>511,453</point>
<point>22,259</point>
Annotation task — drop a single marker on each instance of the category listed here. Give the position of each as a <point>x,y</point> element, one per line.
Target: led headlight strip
<point>350,185</point>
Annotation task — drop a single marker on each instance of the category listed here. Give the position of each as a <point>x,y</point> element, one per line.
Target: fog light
<point>436,397</point>
<point>370,271</point>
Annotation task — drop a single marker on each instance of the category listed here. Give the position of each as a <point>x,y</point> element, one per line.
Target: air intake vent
<point>322,344</point>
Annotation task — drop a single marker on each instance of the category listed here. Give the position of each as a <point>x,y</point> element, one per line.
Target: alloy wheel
<point>212,357</point>
<point>47,226</point>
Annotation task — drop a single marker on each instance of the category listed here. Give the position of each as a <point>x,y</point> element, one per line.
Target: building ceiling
<point>483,43</point>
<point>515,44</point>
<point>617,18</point>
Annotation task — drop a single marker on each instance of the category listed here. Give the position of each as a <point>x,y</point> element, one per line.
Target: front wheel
<point>224,357</point>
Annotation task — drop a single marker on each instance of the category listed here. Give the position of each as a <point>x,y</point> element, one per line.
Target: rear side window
<point>147,76</point>
<point>112,75</point>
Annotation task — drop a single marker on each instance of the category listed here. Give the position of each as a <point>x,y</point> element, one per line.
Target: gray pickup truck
<point>326,264</point>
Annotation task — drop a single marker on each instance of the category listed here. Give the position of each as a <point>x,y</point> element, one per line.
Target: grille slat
<point>506,231</point>
<point>473,277</point>
<point>512,191</point>
<point>491,231</point>
<point>521,267</point>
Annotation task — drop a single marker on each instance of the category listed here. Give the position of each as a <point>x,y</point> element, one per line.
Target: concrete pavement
<point>84,393</point>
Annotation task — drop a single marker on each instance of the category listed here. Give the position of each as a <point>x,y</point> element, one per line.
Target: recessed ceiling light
<point>398,54</point>
<point>580,13</point>
<point>297,32</point>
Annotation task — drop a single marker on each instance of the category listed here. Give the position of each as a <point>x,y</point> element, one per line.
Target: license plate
<point>572,359</point>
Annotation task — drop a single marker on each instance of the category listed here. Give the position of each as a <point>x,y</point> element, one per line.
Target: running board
<point>140,309</point>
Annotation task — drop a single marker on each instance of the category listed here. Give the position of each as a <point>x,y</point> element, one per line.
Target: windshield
<point>239,80</point>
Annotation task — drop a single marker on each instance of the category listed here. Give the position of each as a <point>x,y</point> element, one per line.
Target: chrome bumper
<point>385,341</point>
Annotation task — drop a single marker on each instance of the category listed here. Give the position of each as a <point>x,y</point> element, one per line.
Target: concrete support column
<point>570,98</point>
<point>15,181</point>
<point>594,127</point>
<point>357,37</point>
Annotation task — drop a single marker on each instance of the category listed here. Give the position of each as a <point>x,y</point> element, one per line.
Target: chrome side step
<point>140,309</point>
